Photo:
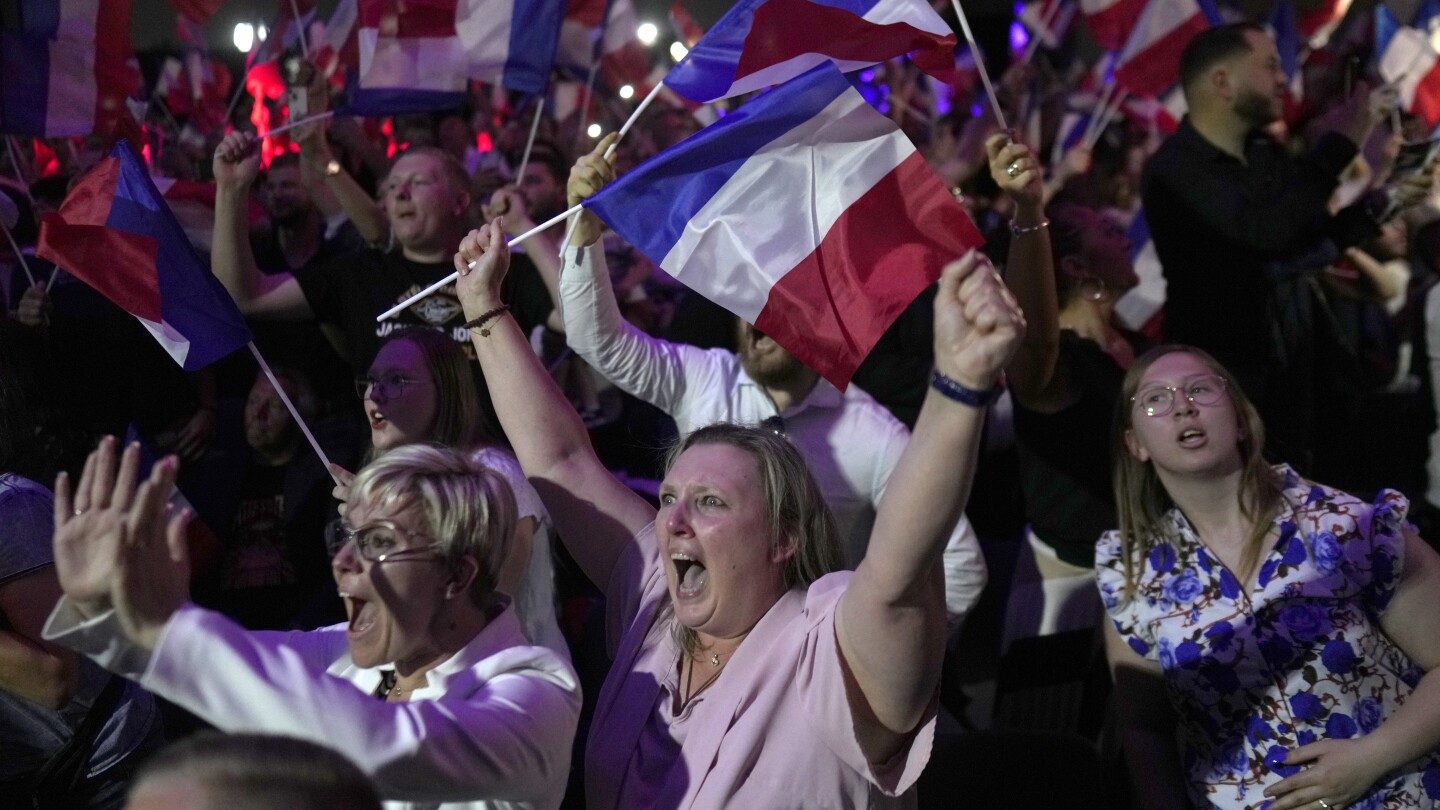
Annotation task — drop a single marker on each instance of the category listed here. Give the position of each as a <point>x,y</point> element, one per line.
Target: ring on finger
<point>1013,170</point>
<point>1324,804</point>
<point>79,512</point>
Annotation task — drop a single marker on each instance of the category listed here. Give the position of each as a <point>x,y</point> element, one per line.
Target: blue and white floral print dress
<point>1253,673</point>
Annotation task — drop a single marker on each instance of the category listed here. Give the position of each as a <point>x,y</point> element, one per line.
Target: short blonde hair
<point>466,507</point>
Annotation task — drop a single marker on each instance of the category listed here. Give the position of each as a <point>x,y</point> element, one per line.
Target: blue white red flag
<point>1150,61</point>
<point>420,55</point>
<point>759,43</point>
<point>805,212</point>
<point>1410,62</point>
<point>115,233</point>
<point>1049,20</point>
<point>1138,307</point>
<point>1287,43</point>
<point>57,77</point>
<point>1111,21</point>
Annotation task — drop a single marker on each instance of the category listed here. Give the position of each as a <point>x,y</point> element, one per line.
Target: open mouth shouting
<point>690,574</point>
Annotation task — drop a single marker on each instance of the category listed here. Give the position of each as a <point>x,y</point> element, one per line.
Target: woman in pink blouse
<point>746,674</point>
<point>1275,642</point>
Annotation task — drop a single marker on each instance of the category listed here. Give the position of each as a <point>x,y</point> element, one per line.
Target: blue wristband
<point>962,394</point>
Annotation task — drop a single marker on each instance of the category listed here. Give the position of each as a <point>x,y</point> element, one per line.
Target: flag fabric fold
<point>805,212</point>
<point>1111,21</point>
<point>421,55</point>
<point>115,233</point>
<point>1150,62</point>
<point>1411,63</point>
<point>58,77</point>
<point>759,43</point>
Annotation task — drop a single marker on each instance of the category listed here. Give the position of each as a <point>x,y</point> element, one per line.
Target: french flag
<point>1317,24</point>
<point>114,233</point>
<point>1410,62</point>
<point>805,212</point>
<point>1150,61</point>
<point>419,56</point>
<point>1049,20</point>
<point>759,43</point>
<point>1139,307</point>
<point>1111,21</point>
<point>57,77</point>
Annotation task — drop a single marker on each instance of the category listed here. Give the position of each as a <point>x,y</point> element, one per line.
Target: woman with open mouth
<point>431,686</point>
<point>421,389</point>
<point>1274,641</point>
<point>748,671</point>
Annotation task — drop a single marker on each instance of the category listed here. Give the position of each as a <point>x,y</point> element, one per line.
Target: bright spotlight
<point>646,33</point>
<point>678,51</point>
<point>593,130</point>
<point>244,37</point>
<point>627,91</point>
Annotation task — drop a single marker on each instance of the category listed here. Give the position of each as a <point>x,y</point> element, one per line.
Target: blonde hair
<point>466,507</point>
<point>795,510</point>
<point>1141,501</point>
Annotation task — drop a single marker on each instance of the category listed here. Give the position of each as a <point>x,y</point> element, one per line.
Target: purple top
<point>775,728</point>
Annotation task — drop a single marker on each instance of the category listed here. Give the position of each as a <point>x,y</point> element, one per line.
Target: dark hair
<point>1067,238</point>
<point>459,420</point>
<point>547,154</point>
<point>1212,46</point>
<point>261,770</point>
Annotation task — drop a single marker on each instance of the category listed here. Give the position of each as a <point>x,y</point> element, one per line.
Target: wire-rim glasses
<point>1159,400</point>
<point>375,542</point>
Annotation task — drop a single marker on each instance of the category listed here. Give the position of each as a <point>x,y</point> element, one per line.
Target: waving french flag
<point>1110,21</point>
<point>1150,62</point>
<point>115,233</point>
<point>57,77</point>
<point>763,42</point>
<point>805,212</point>
<point>1410,62</point>
<point>419,55</point>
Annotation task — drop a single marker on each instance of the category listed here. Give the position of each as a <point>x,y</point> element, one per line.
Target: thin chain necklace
<point>714,660</point>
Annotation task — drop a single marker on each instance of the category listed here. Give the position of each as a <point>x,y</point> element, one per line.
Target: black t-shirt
<point>1065,456</point>
<point>350,290</point>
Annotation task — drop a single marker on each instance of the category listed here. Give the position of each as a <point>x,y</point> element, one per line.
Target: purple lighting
<point>1019,37</point>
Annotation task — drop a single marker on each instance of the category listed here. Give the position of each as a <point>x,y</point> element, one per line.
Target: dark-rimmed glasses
<point>389,386</point>
<point>375,542</point>
<point>1159,400</point>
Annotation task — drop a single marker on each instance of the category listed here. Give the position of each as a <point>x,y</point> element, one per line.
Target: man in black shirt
<point>1242,229</point>
<point>424,197</point>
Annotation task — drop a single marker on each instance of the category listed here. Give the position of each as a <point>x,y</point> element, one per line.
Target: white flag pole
<point>1098,111</point>
<point>290,406</point>
<point>1107,114</point>
<point>302,122</point>
<point>980,65</point>
<point>19,254</point>
<point>609,153</point>
<point>450,279</point>
<point>300,27</point>
<point>1037,36</point>
<point>530,144</point>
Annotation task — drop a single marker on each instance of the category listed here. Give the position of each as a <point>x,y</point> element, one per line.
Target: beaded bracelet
<point>1036,228</point>
<point>479,322</point>
<point>964,394</point>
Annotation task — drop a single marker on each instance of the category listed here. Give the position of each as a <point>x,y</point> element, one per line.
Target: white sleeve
<point>965,572</point>
<point>508,739</point>
<point>962,561</point>
<point>640,365</point>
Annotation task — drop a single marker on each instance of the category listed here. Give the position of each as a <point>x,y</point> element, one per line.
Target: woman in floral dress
<point>1275,642</point>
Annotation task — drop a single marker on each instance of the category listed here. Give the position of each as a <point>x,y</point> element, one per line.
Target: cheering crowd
<point>1134,507</point>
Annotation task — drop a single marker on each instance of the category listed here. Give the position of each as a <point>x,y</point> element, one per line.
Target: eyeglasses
<point>1160,400</point>
<point>390,386</point>
<point>375,542</point>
